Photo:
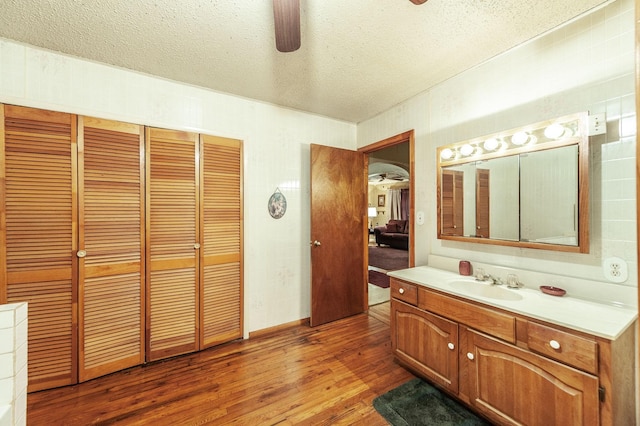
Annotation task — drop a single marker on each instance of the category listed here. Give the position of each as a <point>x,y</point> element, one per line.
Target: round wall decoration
<point>277,204</point>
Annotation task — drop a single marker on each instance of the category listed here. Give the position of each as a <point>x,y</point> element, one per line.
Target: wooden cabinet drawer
<point>404,291</point>
<point>494,323</point>
<point>565,347</point>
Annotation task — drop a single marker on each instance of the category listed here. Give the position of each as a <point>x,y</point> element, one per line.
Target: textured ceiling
<point>358,57</point>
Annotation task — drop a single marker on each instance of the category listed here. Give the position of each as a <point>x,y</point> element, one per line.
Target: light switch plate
<point>597,124</point>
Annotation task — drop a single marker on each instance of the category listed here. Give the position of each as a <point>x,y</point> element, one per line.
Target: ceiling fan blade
<point>418,1</point>
<point>286,17</point>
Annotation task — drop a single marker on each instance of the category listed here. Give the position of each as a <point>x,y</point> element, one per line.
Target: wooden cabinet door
<point>111,240</point>
<point>39,223</point>
<point>221,251</point>
<point>427,343</point>
<point>513,386</point>
<point>172,242</point>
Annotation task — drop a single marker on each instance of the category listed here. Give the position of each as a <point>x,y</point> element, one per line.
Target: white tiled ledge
<point>5,415</point>
<point>603,320</point>
<point>13,370</point>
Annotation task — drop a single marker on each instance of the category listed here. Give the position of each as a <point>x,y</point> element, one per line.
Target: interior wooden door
<point>482,203</point>
<point>338,232</point>
<point>39,223</point>
<point>111,246</point>
<point>172,242</point>
<point>221,251</point>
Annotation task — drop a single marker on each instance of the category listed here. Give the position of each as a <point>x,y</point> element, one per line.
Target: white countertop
<point>608,321</point>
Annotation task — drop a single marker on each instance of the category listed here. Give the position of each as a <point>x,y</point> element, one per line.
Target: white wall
<point>587,64</point>
<point>276,155</point>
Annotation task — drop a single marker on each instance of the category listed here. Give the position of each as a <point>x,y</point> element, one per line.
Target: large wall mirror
<point>524,187</point>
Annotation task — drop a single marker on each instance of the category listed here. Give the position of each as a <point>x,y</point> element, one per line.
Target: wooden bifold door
<point>125,241</point>
<point>39,238</point>
<point>111,246</point>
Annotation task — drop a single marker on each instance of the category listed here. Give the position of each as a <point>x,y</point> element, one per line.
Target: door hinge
<point>601,393</point>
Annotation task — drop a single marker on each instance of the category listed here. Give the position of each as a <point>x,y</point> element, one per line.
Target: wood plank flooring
<point>318,376</point>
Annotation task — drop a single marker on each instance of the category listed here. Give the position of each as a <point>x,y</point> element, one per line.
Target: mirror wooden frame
<point>580,138</point>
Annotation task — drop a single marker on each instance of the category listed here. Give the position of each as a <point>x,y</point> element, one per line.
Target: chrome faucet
<point>482,276</point>
<point>493,280</point>
<point>513,281</point>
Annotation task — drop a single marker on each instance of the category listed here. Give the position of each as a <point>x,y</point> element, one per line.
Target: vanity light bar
<point>566,130</point>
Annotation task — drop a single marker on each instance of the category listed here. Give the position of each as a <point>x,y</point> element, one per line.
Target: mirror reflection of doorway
<point>483,207</point>
<point>389,214</point>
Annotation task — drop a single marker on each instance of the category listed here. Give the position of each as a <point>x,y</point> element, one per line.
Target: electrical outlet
<point>615,269</point>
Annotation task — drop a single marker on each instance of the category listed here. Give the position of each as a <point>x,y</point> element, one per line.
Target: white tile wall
<point>13,364</point>
<point>587,65</point>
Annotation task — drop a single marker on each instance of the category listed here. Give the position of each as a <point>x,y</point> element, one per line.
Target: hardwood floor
<point>321,376</point>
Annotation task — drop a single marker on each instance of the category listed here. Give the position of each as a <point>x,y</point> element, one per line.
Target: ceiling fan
<point>286,16</point>
<point>379,177</point>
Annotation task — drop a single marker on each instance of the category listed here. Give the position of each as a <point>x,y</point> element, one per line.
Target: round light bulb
<point>554,131</point>
<point>491,144</point>
<point>446,154</point>
<point>520,138</point>
<point>466,150</point>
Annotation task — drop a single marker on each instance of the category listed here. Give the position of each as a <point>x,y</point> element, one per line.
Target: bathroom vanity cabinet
<point>512,368</point>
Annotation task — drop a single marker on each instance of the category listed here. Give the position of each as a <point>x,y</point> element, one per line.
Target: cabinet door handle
<point>401,291</point>
<point>451,346</point>
<point>470,356</point>
<point>81,253</point>
<point>554,344</point>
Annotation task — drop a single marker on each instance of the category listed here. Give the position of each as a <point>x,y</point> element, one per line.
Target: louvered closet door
<point>111,238</point>
<point>39,239</point>
<point>172,242</point>
<point>222,240</point>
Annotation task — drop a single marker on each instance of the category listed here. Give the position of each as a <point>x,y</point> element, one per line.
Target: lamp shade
<point>372,212</point>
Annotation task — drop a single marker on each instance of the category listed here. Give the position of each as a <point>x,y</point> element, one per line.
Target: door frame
<point>408,136</point>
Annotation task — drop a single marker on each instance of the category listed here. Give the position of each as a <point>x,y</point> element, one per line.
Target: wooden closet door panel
<point>452,202</point>
<point>39,237</point>
<point>111,287</point>
<point>221,205</point>
<point>483,207</point>
<point>172,238</point>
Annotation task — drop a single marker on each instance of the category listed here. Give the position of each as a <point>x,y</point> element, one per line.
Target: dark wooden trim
<point>408,136</point>
<point>278,328</point>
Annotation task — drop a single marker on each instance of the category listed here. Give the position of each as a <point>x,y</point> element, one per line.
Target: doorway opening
<point>390,211</point>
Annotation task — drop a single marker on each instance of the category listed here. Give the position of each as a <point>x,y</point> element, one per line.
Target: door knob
<point>316,243</point>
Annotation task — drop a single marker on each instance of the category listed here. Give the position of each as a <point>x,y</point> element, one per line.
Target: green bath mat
<point>418,403</point>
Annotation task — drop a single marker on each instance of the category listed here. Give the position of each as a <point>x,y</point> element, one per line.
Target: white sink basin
<point>484,289</point>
